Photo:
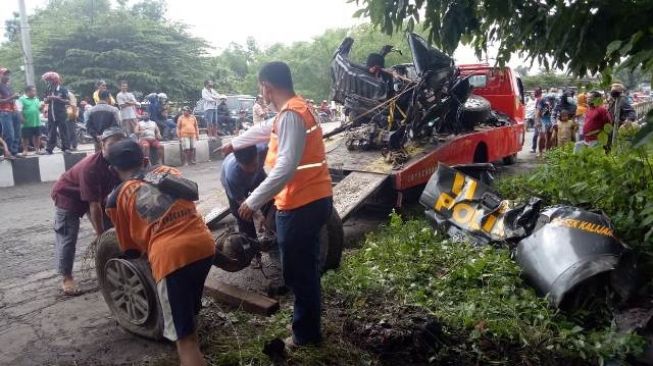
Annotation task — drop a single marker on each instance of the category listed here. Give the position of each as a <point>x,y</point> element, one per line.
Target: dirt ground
<point>39,326</point>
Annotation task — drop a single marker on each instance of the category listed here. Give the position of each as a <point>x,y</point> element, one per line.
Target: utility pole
<point>27,44</point>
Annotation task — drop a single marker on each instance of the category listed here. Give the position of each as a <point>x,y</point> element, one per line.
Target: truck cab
<point>501,87</point>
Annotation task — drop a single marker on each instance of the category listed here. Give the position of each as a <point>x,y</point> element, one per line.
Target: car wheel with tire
<point>128,289</point>
<point>510,160</point>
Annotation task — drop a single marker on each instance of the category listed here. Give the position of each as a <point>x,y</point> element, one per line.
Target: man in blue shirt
<point>242,172</point>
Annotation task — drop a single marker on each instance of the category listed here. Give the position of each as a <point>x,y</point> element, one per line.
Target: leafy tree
<point>579,35</point>
<point>87,40</point>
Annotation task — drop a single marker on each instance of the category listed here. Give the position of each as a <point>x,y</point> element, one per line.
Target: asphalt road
<point>39,326</point>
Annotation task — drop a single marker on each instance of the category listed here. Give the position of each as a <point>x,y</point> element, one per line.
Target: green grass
<point>478,296</point>
<point>486,313</point>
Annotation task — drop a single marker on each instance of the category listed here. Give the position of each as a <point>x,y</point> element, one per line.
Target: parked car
<point>235,103</point>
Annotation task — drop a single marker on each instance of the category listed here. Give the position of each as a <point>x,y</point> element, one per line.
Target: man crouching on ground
<point>168,229</point>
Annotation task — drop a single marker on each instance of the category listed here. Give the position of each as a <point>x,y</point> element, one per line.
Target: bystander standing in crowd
<point>127,103</point>
<point>80,191</point>
<point>56,97</point>
<point>30,117</point>
<point>101,86</point>
<point>187,132</point>
<point>8,114</point>
<point>210,99</point>
<point>101,117</point>
<point>564,130</point>
<point>544,123</point>
<point>536,129</point>
<point>581,109</point>
<point>627,114</point>
<point>596,118</point>
<point>259,110</point>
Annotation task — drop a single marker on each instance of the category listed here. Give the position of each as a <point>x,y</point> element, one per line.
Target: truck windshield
<point>478,81</point>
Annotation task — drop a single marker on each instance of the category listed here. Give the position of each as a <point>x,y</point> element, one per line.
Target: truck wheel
<point>475,110</point>
<point>510,160</point>
<point>128,289</point>
<point>332,237</point>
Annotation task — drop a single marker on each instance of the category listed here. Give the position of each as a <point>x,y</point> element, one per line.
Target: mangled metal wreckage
<point>389,107</point>
<point>559,248</point>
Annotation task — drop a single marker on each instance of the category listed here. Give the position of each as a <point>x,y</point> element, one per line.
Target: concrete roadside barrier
<point>48,168</point>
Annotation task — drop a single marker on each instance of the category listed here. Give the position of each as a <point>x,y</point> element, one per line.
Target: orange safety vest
<point>312,180</point>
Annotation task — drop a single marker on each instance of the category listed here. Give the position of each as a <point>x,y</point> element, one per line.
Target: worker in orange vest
<point>300,184</point>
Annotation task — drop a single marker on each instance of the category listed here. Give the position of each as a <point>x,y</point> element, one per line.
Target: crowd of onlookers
<point>562,116</point>
<point>33,125</point>
<point>37,122</point>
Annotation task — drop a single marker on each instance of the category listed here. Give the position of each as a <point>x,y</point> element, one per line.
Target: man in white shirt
<point>127,103</point>
<point>210,97</point>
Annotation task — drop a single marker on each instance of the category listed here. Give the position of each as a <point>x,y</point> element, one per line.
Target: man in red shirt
<point>596,118</point>
<point>79,191</point>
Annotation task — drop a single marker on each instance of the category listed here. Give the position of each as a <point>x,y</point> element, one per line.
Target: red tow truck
<point>365,171</point>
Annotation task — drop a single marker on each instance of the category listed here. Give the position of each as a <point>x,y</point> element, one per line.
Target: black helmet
<point>234,251</point>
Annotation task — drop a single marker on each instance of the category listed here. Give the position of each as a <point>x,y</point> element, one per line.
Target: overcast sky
<point>268,21</point>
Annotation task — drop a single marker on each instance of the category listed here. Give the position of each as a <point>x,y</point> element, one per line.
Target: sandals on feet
<point>70,290</point>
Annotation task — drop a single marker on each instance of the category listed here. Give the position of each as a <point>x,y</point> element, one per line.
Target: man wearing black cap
<point>163,224</point>
<point>79,191</point>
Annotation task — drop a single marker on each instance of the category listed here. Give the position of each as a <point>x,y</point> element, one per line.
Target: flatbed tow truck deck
<point>358,175</point>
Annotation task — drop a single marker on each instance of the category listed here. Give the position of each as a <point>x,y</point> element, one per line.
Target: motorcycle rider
<point>224,116</point>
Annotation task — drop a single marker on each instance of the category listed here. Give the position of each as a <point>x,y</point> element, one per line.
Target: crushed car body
<point>558,248</point>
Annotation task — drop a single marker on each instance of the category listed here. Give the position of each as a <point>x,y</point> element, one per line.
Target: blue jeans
<point>17,128</point>
<point>171,129</point>
<point>7,124</point>
<point>298,236</point>
<point>211,117</point>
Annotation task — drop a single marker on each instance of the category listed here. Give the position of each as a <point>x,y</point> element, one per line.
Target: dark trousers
<point>17,133</point>
<point>62,125</point>
<point>72,134</point>
<point>536,134</point>
<point>298,233</point>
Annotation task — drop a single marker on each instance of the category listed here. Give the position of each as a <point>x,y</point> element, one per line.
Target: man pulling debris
<point>79,191</point>
<point>241,173</point>
<point>160,220</point>
<point>300,183</point>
